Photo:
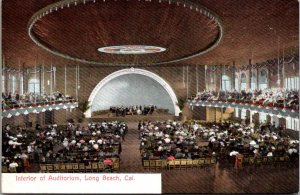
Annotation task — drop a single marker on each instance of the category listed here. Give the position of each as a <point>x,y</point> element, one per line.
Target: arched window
<point>292,83</point>
<point>236,82</point>
<point>253,81</point>
<point>243,82</point>
<point>263,79</point>
<point>13,84</point>
<point>226,84</point>
<point>34,85</point>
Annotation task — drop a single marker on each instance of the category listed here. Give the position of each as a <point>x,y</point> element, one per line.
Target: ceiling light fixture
<point>131,49</point>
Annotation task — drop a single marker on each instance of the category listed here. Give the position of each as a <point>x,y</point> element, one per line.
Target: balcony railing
<point>278,111</point>
<point>37,107</point>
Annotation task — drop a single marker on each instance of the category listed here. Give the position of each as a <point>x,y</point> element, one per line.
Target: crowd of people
<point>60,144</point>
<point>229,139</point>
<point>132,110</point>
<point>168,140</point>
<point>173,140</point>
<point>272,98</point>
<point>16,100</point>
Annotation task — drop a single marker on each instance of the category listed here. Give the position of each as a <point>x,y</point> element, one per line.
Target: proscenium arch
<point>116,74</point>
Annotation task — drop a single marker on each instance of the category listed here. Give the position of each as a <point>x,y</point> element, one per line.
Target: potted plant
<point>83,107</point>
<point>180,104</point>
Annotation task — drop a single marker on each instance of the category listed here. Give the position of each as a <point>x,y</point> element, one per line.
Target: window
<point>21,85</point>
<point>253,81</point>
<point>292,123</point>
<point>243,114</point>
<point>262,117</point>
<point>236,112</point>
<point>263,80</point>
<point>34,86</point>
<point>3,83</point>
<point>292,83</point>
<point>13,84</point>
<point>243,82</point>
<point>236,82</point>
<point>226,85</point>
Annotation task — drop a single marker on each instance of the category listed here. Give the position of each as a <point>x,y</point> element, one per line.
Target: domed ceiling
<point>76,29</point>
<point>151,32</point>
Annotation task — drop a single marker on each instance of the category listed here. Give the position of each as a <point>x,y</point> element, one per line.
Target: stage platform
<point>133,118</point>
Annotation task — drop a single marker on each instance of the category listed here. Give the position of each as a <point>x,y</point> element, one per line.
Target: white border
<point>113,75</point>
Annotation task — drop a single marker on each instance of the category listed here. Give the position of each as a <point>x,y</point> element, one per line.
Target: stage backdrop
<point>132,89</point>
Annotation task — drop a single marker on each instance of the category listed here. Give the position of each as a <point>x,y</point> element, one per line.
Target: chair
<point>94,167</point>
<point>69,167</point>
<point>116,166</point>
<point>238,161</point>
<point>183,163</point>
<point>189,163</point>
<point>62,167</point>
<point>88,168</point>
<point>171,164</point>
<point>101,166</point>
<point>12,169</point>
<point>49,168</point>
<point>152,164</point>
<point>4,169</point>
<point>206,162</point>
<point>177,163</point>
<point>158,164</point>
<point>43,168</point>
<point>56,168</point>
<point>75,167</point>
<point>107,169</point>
<point>146,164</point>
<point>213,162</point>
<point>201,162</point>
<point>81,167</point>
<point>195,163</point>
<point>164,164</point>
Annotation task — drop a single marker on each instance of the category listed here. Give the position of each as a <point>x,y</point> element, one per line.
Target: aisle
<point>130,156</point>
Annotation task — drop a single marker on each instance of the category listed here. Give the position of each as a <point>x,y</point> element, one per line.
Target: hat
<point>96,146</point>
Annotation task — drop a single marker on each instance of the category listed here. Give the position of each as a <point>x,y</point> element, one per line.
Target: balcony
<point>26,108</point>
<point>275,111</point>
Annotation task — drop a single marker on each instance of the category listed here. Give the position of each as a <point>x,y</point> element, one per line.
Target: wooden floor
<point>222,180</point>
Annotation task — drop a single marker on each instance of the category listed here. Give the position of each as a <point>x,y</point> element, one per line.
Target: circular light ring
<point>60,5</point>
<point>131,49</point>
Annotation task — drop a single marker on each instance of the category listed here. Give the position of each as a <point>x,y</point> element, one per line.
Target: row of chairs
<point>79,167</point>
<point>6,169</point>
<point>266,160</point>
<point>180,163</point>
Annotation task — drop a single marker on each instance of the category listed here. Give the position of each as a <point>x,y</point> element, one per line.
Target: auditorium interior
<point>204,92</point>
